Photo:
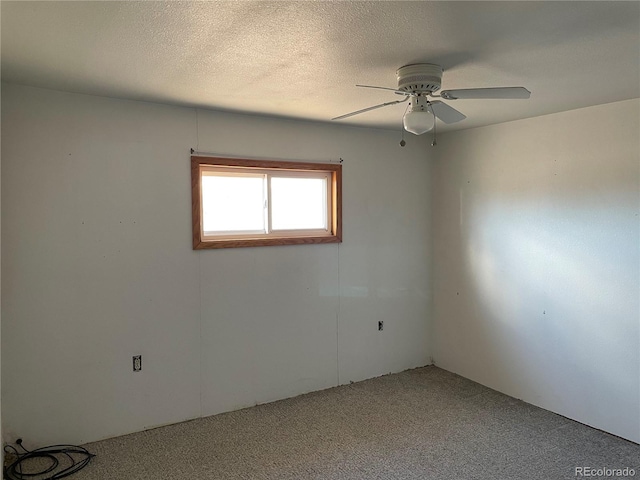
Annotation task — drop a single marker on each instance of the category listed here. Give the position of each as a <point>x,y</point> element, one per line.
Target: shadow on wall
<point>557,285</point>
<point>537,265</point>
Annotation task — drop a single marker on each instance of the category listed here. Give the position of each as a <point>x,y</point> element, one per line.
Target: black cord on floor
<point>76,457</point>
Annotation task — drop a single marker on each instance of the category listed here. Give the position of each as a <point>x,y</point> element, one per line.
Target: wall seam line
<point>338,321</point>
<point>199,293</point>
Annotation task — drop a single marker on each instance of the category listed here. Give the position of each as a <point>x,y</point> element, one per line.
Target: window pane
<point>233,204</point>
<point>298,203</point>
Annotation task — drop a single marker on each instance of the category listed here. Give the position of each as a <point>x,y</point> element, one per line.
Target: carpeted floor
<point>420,424</point>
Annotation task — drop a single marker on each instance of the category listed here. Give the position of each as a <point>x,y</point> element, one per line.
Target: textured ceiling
<point>303,59</point>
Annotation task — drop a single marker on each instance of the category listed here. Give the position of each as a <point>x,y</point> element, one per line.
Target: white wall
<point>98,266</point>
<point>536,262</point>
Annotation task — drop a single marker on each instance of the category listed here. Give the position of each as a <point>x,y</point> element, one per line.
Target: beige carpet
<point>420,424</point>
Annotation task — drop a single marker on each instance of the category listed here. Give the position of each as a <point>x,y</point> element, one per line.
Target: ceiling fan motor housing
<point>420,78</point>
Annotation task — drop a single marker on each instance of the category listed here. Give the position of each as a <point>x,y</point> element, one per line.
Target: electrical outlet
<point>137,363</point>
<point>380,325</point>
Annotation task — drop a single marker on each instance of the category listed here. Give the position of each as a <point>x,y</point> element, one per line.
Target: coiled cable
<point>64,460</point>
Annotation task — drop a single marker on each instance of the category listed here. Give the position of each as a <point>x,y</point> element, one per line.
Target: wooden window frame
<point>200,241</point>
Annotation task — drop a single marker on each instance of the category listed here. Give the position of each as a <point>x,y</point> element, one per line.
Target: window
<point>246,203</point>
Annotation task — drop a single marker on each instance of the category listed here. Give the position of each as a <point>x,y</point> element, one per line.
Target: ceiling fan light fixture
<point>418,82</point>
<point>418,121</point>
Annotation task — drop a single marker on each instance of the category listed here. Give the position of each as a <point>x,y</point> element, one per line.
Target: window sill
<point>263,242</point>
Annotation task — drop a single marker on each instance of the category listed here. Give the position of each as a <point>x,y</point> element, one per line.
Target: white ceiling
<point>303,59</point>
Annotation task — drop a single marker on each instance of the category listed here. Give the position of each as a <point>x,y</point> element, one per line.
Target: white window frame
<point>230,172</point>
<point>201,166</point>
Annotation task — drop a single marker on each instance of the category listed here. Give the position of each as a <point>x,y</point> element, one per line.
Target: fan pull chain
<point>433,143</point>
<point>402,142</point>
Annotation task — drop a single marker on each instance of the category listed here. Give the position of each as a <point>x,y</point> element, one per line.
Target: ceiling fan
<point>420,81</point>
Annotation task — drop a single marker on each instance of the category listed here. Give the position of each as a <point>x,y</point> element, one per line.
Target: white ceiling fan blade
<point>486,93</point>
<point>446,113</point>
<point>369,109</point>
<point>398,92</point>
